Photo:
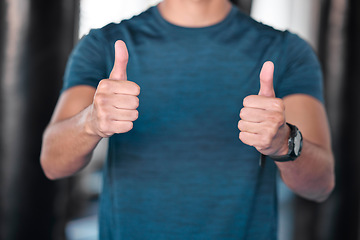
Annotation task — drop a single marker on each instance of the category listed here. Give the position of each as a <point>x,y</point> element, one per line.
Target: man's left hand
<point>262,119</point>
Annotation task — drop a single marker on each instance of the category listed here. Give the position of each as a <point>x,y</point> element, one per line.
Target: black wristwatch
<point>294,143</point>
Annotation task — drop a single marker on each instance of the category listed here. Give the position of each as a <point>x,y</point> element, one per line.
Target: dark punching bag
<point>36,38</point>
<point>339,50</point>
<point>348,218</point>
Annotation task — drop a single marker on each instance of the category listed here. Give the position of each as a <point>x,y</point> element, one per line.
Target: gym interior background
<point>36,38</point>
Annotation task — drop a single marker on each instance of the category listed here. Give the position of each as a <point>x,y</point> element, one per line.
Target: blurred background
<point>36,38</point>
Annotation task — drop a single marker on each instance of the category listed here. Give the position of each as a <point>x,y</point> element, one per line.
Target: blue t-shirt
<point>182,172</point>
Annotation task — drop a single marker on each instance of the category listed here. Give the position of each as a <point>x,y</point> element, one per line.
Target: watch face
<point>297,143</point>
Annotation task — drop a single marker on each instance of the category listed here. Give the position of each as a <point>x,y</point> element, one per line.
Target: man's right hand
<point>115,103</point>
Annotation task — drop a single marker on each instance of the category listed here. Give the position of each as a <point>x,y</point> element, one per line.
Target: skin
<point>84,115</point>
<point>263,125</point>
<point>194,13</point>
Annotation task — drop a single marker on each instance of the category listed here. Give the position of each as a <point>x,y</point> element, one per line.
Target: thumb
<point>266,80</point>
<point>121,59</point>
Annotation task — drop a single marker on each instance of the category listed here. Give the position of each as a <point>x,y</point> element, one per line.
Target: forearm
<point>312,174</point>
<point>67,146</point>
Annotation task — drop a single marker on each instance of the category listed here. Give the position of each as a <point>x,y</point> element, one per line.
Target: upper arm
<point>301,87</point>
<point>309,115</point>
<point>72,101</point>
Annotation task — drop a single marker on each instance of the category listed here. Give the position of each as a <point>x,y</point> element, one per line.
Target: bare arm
<point>67,147</point>
<point>312,174</point>
<point>84,115</point>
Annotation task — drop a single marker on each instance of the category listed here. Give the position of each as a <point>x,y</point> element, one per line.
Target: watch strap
<point>291,155</point>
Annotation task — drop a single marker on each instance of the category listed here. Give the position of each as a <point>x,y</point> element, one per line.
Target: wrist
<point>285,142</point>
<point>87,122</point>
<point>294,145</point>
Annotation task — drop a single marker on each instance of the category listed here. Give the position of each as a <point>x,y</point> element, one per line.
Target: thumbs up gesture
<point>116,99</point>
<point>262,119</point>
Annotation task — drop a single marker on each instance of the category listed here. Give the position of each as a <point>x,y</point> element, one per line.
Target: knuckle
<point>241,136</point>
<point>133,115</point>
<point>103,85</point>
<point>135,102</point>
<point>137,89</point>
<point>269,132</point>
<point>136,115</point>
<point>275,118</point>
<point>279,120</point>
<point>132,87</point>
<point>278,104</point>
<point>100,115</point>
<point>100,100</point>
<point>239,125</point>
<point>242,113</point>
<point>265,143</point>
<point>103,125</point>
<point>127,126</point>
<point>124,127</point>
<point>246,100</point>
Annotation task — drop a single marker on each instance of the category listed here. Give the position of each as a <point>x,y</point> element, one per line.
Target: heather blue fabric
<point>182,173</point>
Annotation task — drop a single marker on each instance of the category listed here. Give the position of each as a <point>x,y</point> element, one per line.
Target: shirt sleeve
<point>87,62</point>
<point>302,72</point>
